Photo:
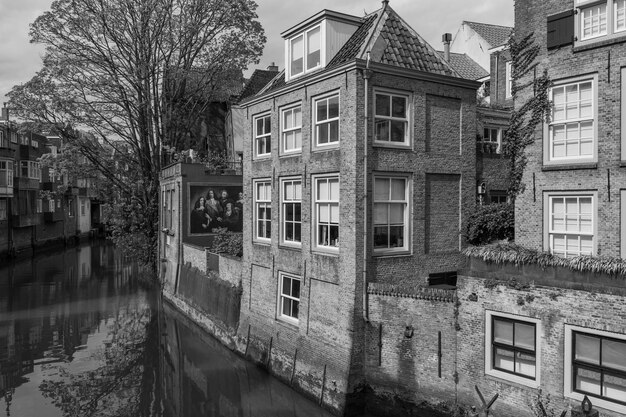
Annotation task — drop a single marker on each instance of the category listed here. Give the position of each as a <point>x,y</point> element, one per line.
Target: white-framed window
<point>30,169</point>
<point>305,52</point>
<point>600,19</point>
<point>326,115</point>
<point>262,210</point>
<point>291,211</point>
<point>571,223</point>
<point>512,348</point>
<point>54,150</point>
<point>262,135</point>
<point>291,130</point>
<point>288,298</point>
<point>51,206</point>
<point>3,140</point>
<point>6,173</point>
<point>572,131</point>
<point>24,140</point>
<point>70,207</point>
<point>83,207</point>
<point>39,205</point>
<point>493,135</point>
<point>326,211</point>
<point>509,80</point>
<point>34,143</point>
<point>13,136</point>
<point>391,213</point>
<point>595,365</point>
<point>391,118</point>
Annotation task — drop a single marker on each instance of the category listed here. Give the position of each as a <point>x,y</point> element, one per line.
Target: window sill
<point>264,157</point>
<point>325,252</point>
<point>513,379</point>
<point>599,42</point>
<point>322,148</point>
<point>289,154</point>
<point>288,323</point>
<point>262,242</point>
<point>393,145</point>
<point>297,248</point>
<point>390,254</point>
<point>569,166</point>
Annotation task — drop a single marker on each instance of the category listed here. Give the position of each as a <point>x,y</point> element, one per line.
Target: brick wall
<point>607,176</point>
<point>410,368</point>
<point>555,297</point>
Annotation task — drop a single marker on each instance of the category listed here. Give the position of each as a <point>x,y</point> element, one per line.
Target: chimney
<point>5,112</point>
<point>446,38</point>
<point>272,67</point>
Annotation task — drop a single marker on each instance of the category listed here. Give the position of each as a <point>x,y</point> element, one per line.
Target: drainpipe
<point>367,73</point>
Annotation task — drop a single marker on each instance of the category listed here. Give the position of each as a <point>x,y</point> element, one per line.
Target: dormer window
<point>305,52</point>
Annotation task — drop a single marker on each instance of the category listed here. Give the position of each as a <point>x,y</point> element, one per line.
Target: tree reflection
<point>117,375</point>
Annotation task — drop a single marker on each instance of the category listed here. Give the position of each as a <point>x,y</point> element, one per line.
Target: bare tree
<point>136,74</point>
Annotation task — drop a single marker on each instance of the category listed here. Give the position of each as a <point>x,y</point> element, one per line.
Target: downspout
<point>179,242</point>
<point>494,88</point>
<point>367,73</point>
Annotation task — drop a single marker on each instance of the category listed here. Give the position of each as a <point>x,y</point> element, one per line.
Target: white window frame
<point>264,201</point>
<point>285,132</point>
<point>262,136</point>
<point>83,207</point>
<point>406,143</point>
<point>406,203</point>
<point>549,231</point>
<point>509,80</point>
<point>284,201</point>
<point>611,11</point>
<point>282,296</point>
<point>70,207</point>
<point>24,140</point>
<point>548,158</point>
<point>51,205</point>
<point>317,203</point>
<point>489,138</point>
<point>7,171</point>
<point>317,124</point>
<point>39,205</point>
<point>490,370</point>
<point>3,140</point>
<point>304,35</point>
<point>568,392</point>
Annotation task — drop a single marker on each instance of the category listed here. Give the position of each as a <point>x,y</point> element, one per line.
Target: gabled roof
<point>466,66</point>
<point>390,40</point>
<point>495,35</point>
<point>257,81</point>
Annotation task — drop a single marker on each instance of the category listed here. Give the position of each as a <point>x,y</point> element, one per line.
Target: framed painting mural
<point>215,207</point>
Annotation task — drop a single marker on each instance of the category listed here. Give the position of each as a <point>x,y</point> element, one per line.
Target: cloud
<point>20,60</point>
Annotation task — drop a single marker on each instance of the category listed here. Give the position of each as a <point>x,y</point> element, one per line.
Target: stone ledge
<point>421,293</point>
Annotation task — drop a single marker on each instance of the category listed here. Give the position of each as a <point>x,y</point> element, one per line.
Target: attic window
<point>305,52</point>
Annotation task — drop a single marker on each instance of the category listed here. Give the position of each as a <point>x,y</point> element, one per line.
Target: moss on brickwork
<point>501,253</point>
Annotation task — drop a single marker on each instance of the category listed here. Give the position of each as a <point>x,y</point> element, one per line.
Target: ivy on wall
<point>529,115</point>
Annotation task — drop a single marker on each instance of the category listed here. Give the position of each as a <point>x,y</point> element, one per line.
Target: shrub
<point>489,223</point>
<point>228,242</point>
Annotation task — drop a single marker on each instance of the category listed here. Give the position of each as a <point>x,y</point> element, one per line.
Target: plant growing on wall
<point>528,115</point>
<point>228,242</point>
<point>489,223</point>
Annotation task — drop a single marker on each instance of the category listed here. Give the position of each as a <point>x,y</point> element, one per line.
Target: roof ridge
<point>488,24</point>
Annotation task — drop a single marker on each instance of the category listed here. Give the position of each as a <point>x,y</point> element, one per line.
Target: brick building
<point>359,167</point>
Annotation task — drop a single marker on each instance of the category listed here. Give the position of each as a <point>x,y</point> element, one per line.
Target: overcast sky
<point>19,60</point>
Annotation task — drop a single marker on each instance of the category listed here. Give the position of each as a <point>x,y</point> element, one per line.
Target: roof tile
<point>495,35</point>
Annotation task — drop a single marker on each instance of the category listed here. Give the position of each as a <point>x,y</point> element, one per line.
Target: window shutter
<point>560,29</point>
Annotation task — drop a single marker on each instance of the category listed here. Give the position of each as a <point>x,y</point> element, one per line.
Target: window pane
<point>297,116</point>
<point>333,107</point>
<point>588,381</point>
<point>295,288</point>
<point>525,364</point>
<point>381,189</point>
<point>504,359</point>
<point>382,105</point>
<point>587,349</point>
<point>397,189</point>
<point>614,354</point>
<point>334,189</point>
<point>322,110</point>
<point>396,236</point>
<point>334,213</point>
<point>313,48</point>
<point>525,336</point>
<point>295,306</point>
<point>380,213</point>
<point>397,131</point>
<point>398,107</point>
<point>396,214</point>
<point>382,129</point>
<point>334,131</point>
<point>286,286</point>
<point>503,332</point>
<point>322,189</point>
<point>323,214</point>
<point>614,387</point>
<point>297,46</point>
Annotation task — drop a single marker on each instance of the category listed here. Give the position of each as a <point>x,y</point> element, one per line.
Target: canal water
<point>81,334</point>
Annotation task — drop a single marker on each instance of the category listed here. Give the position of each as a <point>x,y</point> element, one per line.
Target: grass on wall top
<point>501,253</point>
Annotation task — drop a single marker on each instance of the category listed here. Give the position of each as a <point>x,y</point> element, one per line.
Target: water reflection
<point>80,336</point>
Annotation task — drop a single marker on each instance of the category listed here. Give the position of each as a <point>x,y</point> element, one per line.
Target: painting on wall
<point>215,207</point>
